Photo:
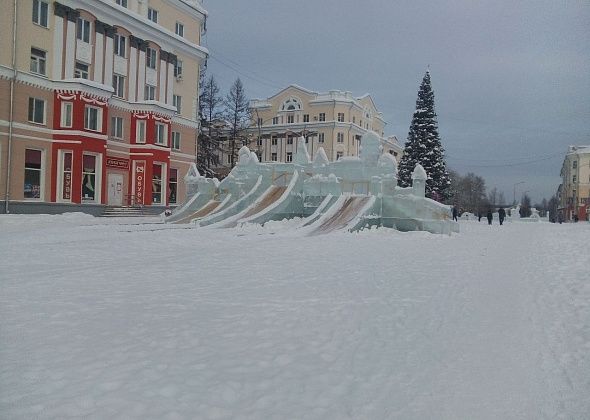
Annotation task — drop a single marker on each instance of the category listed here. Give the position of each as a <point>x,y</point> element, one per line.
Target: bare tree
<point>210,102</point>
<point>238,116</point>
<point>525,206</point>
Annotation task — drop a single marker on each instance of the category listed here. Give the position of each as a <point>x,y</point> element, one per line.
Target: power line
<point>511,164</point>
<point>238,68</point>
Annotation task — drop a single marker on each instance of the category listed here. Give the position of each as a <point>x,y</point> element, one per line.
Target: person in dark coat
<point>490,216</point>
<point>501,215</point>
<point>455,213</point>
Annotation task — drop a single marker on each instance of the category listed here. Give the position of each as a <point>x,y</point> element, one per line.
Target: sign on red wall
<point>117,163</point>
<point>67,186</point>
<point>139,177</point>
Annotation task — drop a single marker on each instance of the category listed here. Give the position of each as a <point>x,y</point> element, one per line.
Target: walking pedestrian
<point>501,215</point>
<point>490,216</point>
<point>455,213</point>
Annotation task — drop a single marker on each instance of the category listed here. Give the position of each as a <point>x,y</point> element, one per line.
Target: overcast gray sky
<point>511,78</point>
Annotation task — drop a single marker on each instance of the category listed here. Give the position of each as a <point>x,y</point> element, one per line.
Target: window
<point>305,117</point>
<point>340,137</point>
<point>574,179</point>
<point>176,140</point>
<point>273,157</point>
<point>259,142</point>
<point>177,102</point>
<point>290,119</point>
<point>574,164</point>
<point>289,157</point>
<point>38,61</point>
<point>289,140</point>
<point>157,183</point>
<point>338,155</point>
<point>353,119</point>
<point>33,168</point>
<point>172,185</point>
<point>121,2</point>
<point>322,116</point>
<point>149,93</point>
<point>117,127</point>
<point>83,30</point>
<point>140,131</point>
<point>321,138</point>
<point>66,185</point>
<point>179,30</point>
<point>92,118</point>
<point>161,134</point>
<point>88,177</point>
<point>37,111</point>
<point>341,117</point>
<point>119,45</point>
<point>152,15</point>
<point>119,85</point>
<point>81,71</point>
<point>178,69</point>
<point>66,114</point>
<point>40,9</point>
<point>259,122</point>
<point>150,58</point>
<point>230,159</point>
<point>275,120</point>
<point>274,141</point>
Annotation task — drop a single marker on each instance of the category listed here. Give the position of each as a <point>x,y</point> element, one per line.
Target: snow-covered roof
<point>578,150</point>
<point>196,4</point>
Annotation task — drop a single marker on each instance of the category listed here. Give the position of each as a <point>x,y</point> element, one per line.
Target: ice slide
<point>238,206</point>
<point>211,207</point>
<point>190,206</point>
<point>345,212</point>
<point>271,196</point>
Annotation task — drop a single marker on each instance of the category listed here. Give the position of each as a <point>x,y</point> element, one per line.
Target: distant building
<point>574,191</point>
<point>99,105</point>
<point>334,120</point>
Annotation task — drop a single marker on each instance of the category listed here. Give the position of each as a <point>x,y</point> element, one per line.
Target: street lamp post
<point>514,198</point>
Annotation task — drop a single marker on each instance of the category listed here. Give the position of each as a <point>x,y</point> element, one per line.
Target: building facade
<point>334,121</point>
<point>574,191</point>
<point>98,102</point>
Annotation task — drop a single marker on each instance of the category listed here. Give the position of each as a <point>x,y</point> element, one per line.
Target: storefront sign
<point>139,181</point>
<point>67,187</point>
<point>117,163</point>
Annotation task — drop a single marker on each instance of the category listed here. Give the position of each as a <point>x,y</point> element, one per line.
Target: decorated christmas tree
<point>423,146</point>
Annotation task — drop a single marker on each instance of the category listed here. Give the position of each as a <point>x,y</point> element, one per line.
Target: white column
<point>108,61</point>
<point>58,42</point>
<point>141,76</point>
<point>170,88</point>
<point>70,50</point>
<point>162,81</point>
<point>131,77</point>
<point>98,57</point>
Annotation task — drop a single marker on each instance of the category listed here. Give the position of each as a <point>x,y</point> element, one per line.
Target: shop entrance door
<point>115,190</point>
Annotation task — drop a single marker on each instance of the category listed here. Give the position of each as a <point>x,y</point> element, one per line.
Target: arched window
<point>291,104</point>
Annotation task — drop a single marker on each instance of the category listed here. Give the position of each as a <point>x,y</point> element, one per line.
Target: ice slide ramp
<point>192,205</point>
<point>210,207</point>
<point>229,212</point>
<point>271,196</point>
<point>345,212</point>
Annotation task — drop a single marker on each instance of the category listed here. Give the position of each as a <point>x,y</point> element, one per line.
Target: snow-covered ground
<point>103,320</point>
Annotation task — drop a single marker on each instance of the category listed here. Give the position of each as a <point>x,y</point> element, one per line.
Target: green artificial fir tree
<point>424,147</point>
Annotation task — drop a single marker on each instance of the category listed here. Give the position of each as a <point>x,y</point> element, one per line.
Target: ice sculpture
<point>351,193</point>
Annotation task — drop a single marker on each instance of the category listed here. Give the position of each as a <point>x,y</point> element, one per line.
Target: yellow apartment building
<point>98,102</point>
